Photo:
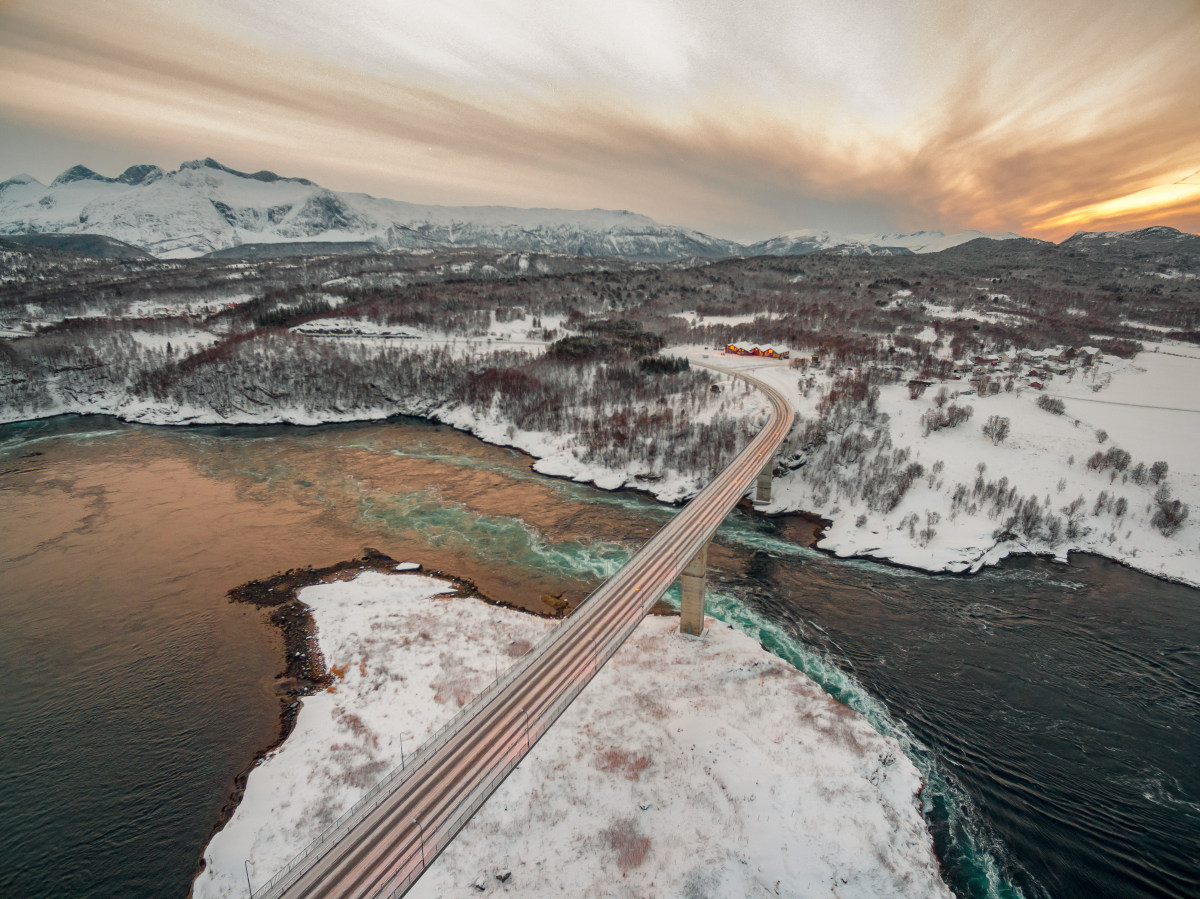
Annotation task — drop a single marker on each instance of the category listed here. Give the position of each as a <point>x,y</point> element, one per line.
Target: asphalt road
<point>383,845</point>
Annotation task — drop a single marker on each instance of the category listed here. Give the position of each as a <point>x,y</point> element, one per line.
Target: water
<point>1053,711</point>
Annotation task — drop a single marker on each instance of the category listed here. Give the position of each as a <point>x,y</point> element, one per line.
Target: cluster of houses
<point>1054,361</point>
<point>753,349</point>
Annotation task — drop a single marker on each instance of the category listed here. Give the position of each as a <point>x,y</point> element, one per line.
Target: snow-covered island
<point>688,767</point>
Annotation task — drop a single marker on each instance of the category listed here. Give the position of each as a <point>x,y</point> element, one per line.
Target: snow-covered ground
<point>517,333</point>
<point>687,768</point>
<point>357,327</point>
<point>950,313</point>
<point>696,318</point>
<point>183,342</point>
<point>1146,406</point>
<point>1143,406</point>
<point>1146,326</point>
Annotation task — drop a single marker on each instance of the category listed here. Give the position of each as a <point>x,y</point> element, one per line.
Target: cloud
<point>744,120</point>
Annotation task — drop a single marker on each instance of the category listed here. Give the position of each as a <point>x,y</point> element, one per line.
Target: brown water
<point>134,693</point>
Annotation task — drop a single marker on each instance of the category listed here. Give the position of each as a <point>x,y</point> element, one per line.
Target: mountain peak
<point>79,173</point>
<point>20,179</point>
<point>140,174</point>
<point>209,163</point>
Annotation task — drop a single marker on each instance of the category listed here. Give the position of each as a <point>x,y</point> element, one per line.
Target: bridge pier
<point>691,587</point>
<point>762,492</point>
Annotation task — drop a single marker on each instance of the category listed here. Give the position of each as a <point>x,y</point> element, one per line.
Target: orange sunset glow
<point>739,119</point>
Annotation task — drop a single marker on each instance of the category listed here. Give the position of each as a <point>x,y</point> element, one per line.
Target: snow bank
<point>935,310</point>
<point>689,767</point>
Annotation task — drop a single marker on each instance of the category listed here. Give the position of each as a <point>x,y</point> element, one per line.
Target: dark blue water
<point>1054,710</point>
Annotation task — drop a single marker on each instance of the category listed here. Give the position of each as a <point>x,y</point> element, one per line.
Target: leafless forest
<point>86,334</point>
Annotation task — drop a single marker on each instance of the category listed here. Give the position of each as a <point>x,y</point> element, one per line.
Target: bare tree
<point>996,428</point>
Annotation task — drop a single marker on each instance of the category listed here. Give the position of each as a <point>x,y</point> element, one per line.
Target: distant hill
<point>299,248</point>
<point>1020,250</point>
<point>801,243</point>
<point>96,245</point>
<point>1157,245</point>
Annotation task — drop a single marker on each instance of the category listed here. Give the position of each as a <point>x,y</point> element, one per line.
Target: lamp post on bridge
<point>526,714</point>
<point>246,868</point>
<point>421,833</point>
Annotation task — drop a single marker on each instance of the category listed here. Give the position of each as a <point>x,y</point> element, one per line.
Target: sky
<point>741,119</point>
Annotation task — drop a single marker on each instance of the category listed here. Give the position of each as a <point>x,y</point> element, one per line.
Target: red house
<point>752,349</point>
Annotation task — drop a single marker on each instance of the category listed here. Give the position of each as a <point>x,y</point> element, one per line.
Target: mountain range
<point>801,243</point>
<point>204,207</point>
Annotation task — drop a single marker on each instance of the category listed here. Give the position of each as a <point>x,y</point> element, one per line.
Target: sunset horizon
<point>742,123</point>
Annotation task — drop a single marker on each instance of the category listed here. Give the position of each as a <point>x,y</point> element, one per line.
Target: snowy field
<point>514,334</point>
<point>182,342</point>
<point>950,313</point>
<point>1146,406</point>
<point>696,318</point>
<point>687,768</point>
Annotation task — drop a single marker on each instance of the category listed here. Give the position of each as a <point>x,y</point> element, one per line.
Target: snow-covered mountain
<point>1156,239</point>
<point>204,206</point>
<point>801,243</point>
<point>805,241</point>
<point>932,241</point>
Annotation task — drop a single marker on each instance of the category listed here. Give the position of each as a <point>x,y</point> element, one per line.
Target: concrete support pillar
<point>691,586</point>
<point>763,492</point>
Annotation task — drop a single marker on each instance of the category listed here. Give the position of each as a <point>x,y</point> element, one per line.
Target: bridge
<point>382,845</point>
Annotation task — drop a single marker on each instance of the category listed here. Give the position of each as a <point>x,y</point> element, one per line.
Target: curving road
<point>382,845</point>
